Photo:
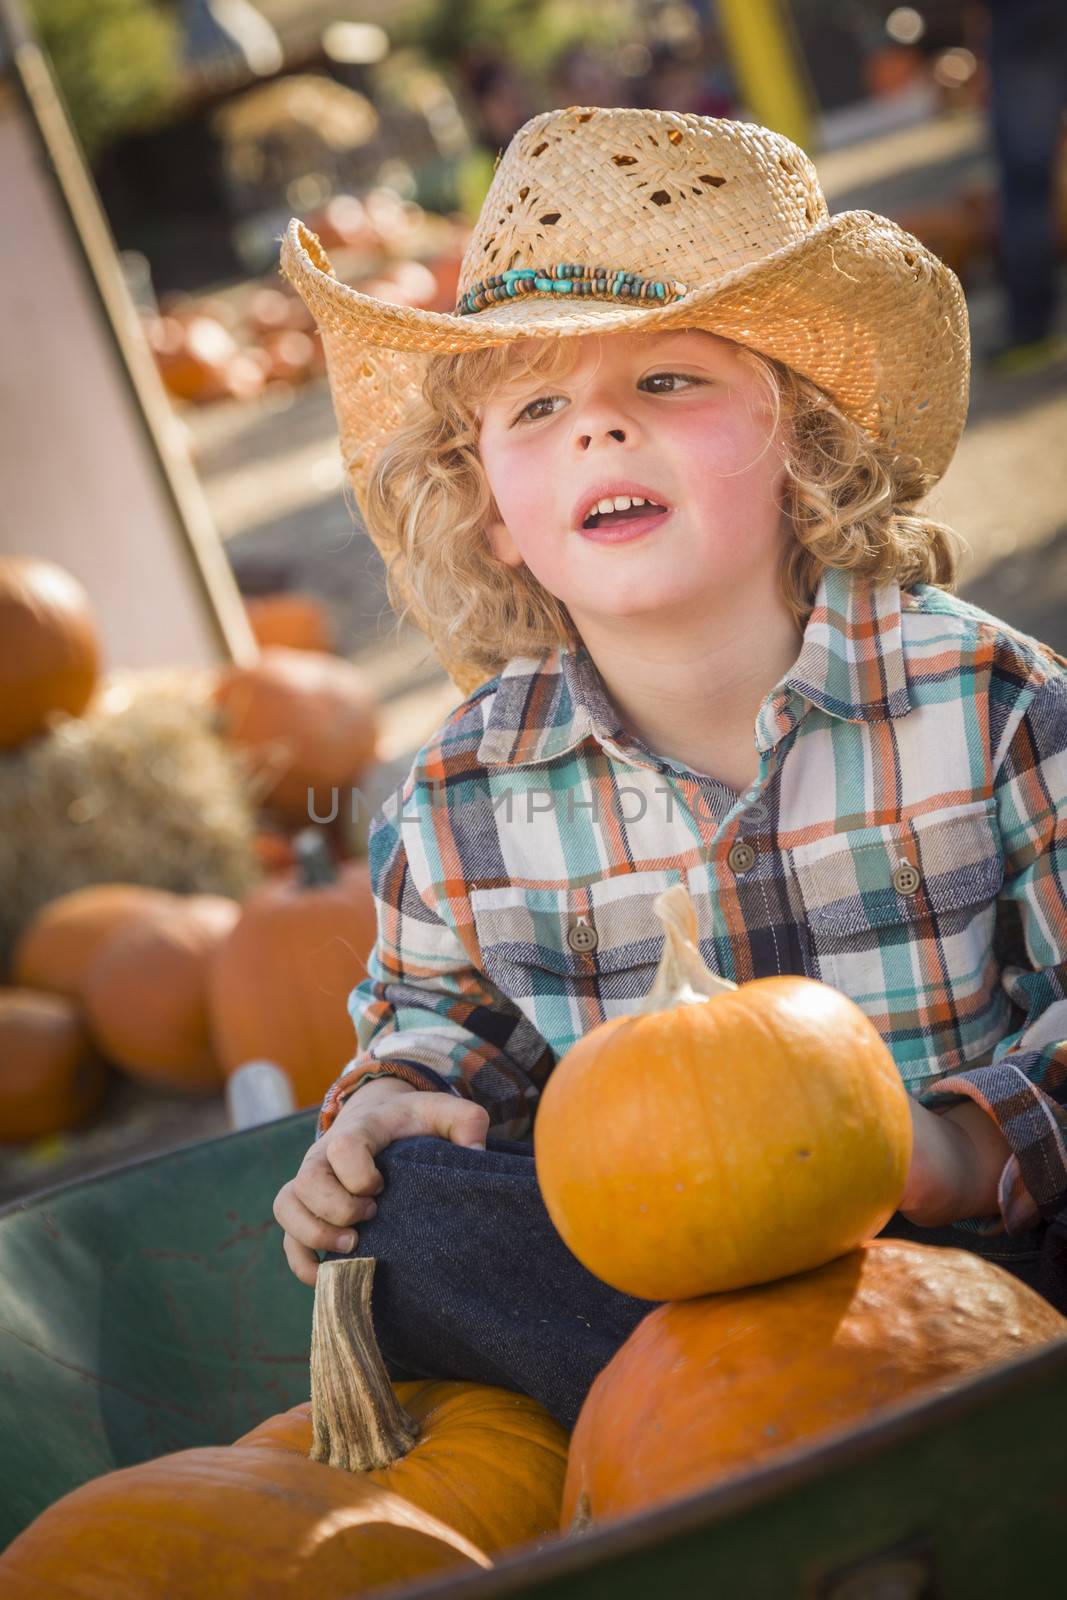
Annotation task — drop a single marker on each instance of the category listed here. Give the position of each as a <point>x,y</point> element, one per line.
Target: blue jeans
<point>472,1280</point>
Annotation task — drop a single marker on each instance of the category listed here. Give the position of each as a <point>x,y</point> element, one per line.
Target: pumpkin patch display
<point>706,1389</point>
<point>49,650</point>
<point>721,1136</point>
<point>55,949</point>
<point>146,991</point>
<point>305,719</point>
<point>50,1077</point>
<point>278,984</point>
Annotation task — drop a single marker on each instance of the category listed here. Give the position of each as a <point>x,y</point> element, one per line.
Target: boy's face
<point>677,413</point>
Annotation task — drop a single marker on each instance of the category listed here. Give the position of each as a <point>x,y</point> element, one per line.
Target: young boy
<point>666,507</point>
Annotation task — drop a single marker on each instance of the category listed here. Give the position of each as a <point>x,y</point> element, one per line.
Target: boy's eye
<point>532,413</point>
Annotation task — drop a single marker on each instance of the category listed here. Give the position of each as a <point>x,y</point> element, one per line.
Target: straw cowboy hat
<point>600,220</point>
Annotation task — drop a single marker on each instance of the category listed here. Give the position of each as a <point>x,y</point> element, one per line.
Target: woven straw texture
<point>731,210</point>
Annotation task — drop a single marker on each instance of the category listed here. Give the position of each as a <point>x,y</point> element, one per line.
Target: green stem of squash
<point>356,1420</point>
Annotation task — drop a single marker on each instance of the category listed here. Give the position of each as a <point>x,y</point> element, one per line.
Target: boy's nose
<point>586,439</point>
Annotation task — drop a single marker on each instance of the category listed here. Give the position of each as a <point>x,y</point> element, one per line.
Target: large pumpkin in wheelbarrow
<point>707,1389</point>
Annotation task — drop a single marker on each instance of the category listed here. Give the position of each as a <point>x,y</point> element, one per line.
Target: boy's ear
<point>501,544</point>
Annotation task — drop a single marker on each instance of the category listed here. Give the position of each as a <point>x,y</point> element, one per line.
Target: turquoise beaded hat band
<point>569,277</point>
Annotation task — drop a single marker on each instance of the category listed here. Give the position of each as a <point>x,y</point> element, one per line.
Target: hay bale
<point>140,789</point>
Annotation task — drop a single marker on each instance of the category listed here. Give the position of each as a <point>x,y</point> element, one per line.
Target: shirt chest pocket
<point>901,919</point>
<point>571,958</point>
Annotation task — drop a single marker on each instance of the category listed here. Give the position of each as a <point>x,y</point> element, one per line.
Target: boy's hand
<point>337,1177</point>
<point>956,1161</point>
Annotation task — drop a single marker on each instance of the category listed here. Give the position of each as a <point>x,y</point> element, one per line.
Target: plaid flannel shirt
<point>905,841</point>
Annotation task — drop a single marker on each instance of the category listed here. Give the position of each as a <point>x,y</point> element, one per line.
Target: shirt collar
<point>851,665</point>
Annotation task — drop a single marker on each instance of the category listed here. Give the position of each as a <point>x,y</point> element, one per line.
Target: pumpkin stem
<point>357,1422</point>
<point>682,977</point>
<point>314,861</point>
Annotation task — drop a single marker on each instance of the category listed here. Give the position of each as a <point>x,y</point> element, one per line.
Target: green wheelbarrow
<point>150,1309</point>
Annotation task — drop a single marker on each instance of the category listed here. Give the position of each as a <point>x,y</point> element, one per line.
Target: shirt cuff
<point>1033,1181</point>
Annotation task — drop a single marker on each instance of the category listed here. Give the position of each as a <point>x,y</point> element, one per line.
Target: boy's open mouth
<point>636,508</point>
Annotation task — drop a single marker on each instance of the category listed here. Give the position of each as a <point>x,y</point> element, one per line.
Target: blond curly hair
<point>849,500</point>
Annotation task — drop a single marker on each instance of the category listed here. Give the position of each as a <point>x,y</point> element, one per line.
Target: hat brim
<point>857,305</point>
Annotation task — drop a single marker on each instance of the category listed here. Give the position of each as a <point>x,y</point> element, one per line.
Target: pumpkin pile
<point>144,820</point>
<point>759,1137</point>
<point>261,340</point>
<point>180,991</point>
<point>364,1486</point>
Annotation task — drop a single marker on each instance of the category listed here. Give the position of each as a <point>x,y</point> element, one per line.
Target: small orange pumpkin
<point>55,948</point>
<point>50,1078</point>
<point>704,1390</point>
<point>49,649</point>
<point>278,985</point>
<point>721,1136</point>
<point>145,992</point>
<point>305,719</point>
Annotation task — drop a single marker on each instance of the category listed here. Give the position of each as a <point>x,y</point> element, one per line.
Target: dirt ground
<point>272,477</point>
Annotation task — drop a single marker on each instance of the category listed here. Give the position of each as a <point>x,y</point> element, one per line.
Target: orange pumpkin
<point>278,985</point>
<point>249,1524</point>
<point>50,1078</point>
<point>488,1462</point>
<point>704,1390</point>
<point>298,621</point>
<point>716,1139</point>
<point>49,650</point>
<point>55,948</point>
<point>306,720</point>
<point>145,992</point>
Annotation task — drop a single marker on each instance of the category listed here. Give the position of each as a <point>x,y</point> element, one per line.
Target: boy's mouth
<point>636,508</point>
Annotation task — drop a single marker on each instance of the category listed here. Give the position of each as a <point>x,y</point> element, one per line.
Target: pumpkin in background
<point>247,1524</point>
<point>488,1462</point>
<point>298,621</point>
<point>55,948</point>
<point>704,1390</point>
<point>145,992</point>
<point>50,1077</point>
<point>306,719</point>
<point>49,651</point>
<point>715,1139</point>
<point>278,985</point>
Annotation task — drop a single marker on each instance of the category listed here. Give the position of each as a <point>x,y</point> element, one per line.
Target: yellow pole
<point>766,62</point>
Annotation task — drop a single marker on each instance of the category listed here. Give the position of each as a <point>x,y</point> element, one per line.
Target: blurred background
<point>169,450</point>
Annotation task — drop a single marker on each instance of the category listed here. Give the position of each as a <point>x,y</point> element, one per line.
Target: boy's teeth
<point>621,502</point>
<point>618,506</point>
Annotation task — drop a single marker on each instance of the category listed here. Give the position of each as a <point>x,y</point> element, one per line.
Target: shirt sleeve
<point>1024,1087</point>
<point>426,1012</point>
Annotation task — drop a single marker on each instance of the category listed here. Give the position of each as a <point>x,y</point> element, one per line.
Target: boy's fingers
<point>306,1223</point>
<point>304,1263</point>
<point>449,1116</point>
